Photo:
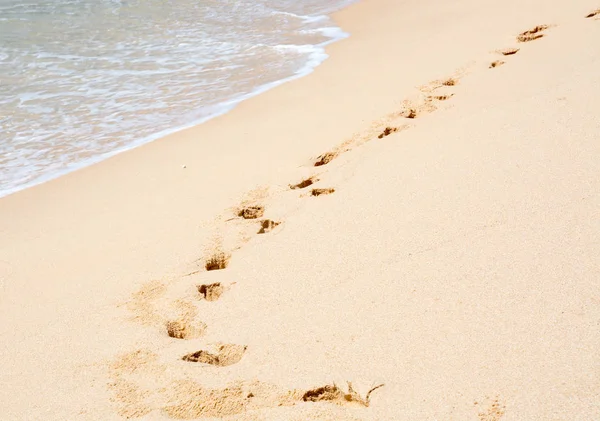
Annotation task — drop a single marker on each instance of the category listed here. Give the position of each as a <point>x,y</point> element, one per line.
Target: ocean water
<point>81,80</point>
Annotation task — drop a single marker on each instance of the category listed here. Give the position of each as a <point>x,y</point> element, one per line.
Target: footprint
<point>211,292</point>
<point>414,108</point>
<point>325,159</point>
<point>226,354</point>
<point>267,225</point>
<point>496,63</point>
<point>332,393</point>
<point>409,113</point>
<point>388,131</point>
<point>130,397</point>
<point>509,51</point>
<point>183,329</point>
<point>324,393</point>
<point>594,13</point>
<point>440,97</point>
<point>252,212</point>
<point>493,411</point>
<point>320,192</point>
<point>219,260</point>
<point>532,34</point>
<point>304,183</point>
<point>431,87</point>
<point>450,82</point>
<point>188,399</point>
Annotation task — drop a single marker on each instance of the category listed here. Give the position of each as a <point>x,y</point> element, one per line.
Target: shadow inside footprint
<point>304,183</point>
<point>450,82</point>
<point>227,354</point>
<point>321,192</point>
<point>532,34</point>
<point>388,131</point>
<point>509,51</point>
<point>267,225</point>
<point>594,13</point>
<point>440,97</point>
<point>211,292</point>
<point>325,159</point>
<point>324,393</point>
<point>217,261</point>
<point>332,393</point>
<point>181,329</point>
<point>252,212</point>
<point>409,113</point>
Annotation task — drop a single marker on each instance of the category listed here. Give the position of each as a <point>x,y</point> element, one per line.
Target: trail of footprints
<point>190,400</point>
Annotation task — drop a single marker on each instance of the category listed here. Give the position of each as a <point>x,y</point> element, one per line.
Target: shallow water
<point>81,80</point>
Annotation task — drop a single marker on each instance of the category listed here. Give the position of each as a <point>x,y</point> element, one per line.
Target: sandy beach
<point>411,232</point>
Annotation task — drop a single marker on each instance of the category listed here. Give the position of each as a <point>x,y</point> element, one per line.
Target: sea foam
<point>83,80</point>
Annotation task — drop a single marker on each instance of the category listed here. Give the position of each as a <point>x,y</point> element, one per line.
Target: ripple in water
<point>83,79</point>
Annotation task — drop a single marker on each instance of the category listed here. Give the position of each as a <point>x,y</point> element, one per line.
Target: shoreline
<point>447,252</point>
<point>224,107</point>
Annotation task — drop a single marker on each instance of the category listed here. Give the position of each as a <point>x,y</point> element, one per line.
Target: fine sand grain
<point>447,269</point>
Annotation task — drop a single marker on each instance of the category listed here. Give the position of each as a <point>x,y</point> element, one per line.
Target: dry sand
<point>454,257</point>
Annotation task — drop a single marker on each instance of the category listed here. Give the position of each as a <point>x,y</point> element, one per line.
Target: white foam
<point>303,18</point>
<point>29,166</point>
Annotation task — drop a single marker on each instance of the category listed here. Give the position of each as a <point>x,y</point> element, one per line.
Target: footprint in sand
<point>593,14</point>
<point>509,51</point>
<point>211,292</point>
<point>140,384</point>
<point>267,226</point>
<point>505,52</point>
<point>412,109</point>
<point>224,355</point>
<point>255,212</point>
<point>189,400</point>
<point>177,318</point>
<point>410,112</point>
<point>440,97</point>
<point>332,393</point>
<point>532,34</point>
<point>217,261</point>
<point>450,82</point>
<point>325,159</point>
<point>387,131</point>
<point>184,329</point>
<point>490,410</point>
<point>415,108</point>
<point>304,183</point>
<point>321,192</point>
<point>252,212</point>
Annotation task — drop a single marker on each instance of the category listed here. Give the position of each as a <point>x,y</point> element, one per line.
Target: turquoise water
<point>81,80</point>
